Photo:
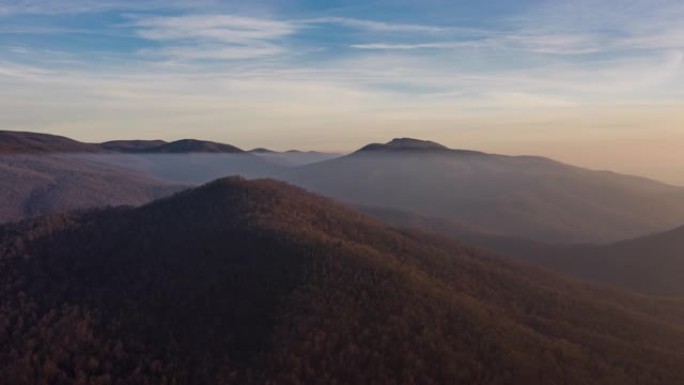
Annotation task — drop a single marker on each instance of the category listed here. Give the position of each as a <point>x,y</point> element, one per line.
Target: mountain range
<point>163,147</point>
<point>259,282</point>
<point>531,208</point>
<point>520,196</point>
<point>42,173</point>
<point>19,142</point>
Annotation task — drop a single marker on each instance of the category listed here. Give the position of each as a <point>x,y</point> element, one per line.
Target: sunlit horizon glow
<point>592,83</point>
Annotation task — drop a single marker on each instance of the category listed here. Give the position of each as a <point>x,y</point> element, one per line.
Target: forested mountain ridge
<point>260,282</point>
<point>45,174</point>
<point>17,142</point>
<point>519,196</point>
<point>192,146</point>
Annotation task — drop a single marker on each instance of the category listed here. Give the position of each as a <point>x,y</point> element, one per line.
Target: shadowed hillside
<point>260,282</point>
<point>653,264</point>
<point>520,196</point>
<point>33,185</point>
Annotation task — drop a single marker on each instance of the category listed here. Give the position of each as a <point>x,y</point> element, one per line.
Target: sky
<point>594,83</point>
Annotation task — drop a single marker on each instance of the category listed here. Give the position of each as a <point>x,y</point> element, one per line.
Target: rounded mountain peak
<point>401,144</point>
<point>415,144</point>
<point>194,145</point>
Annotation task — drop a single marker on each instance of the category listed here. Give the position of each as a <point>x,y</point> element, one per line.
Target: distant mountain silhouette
<point>293,158</point>
<point>132,146</point>
<point>261,150</point>
<point>405,144</point>
<point>521,196</point>
<point>15,142</point>
<point>193,146</point>
<point>258,282</point>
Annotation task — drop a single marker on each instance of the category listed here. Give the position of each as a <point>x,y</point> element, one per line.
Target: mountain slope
<point>259,282</point>
<point>33,185</point>
<point>653,264</point>
<point>15,142</point>
<point>526,197</point>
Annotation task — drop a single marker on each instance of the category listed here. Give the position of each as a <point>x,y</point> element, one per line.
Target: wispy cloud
<point>405,47</point>
<point>216,52</point>
<point>238,37</point>
<point>225,28</point>
<point>17,71</point>
<point>599,26</point>
<point>376,26</point>
<point>225,37</point>
<point>571,43</point>
<point>581,27</point>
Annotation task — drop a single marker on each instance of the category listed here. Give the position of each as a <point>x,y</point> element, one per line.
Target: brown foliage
<point>259,282</point>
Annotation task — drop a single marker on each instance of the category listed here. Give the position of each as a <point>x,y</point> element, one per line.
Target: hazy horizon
<point>592,157</point>
<point>574,81</point>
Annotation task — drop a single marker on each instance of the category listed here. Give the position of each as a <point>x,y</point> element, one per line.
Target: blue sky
<point>598,83</point>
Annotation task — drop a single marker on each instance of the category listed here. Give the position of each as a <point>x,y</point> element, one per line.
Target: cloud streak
<point>406,47</point>
<point>224,28</point>
<point>376,26</point>
<point>216,37</point>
